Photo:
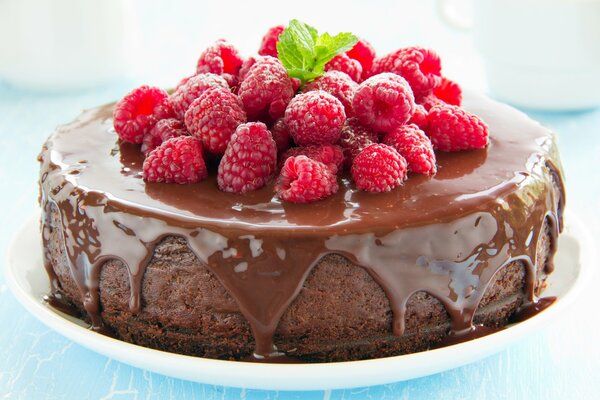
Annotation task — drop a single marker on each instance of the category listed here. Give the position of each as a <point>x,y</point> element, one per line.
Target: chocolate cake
<point>193,270</point>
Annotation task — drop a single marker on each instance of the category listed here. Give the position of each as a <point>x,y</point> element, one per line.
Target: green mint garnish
<point>304,53</point>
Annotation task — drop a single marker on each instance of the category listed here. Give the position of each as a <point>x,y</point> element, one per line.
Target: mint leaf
<point>328,47</point>
<point>304,53</point>
<point>295,45</point>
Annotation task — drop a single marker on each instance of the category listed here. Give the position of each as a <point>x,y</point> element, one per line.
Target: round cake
<point>194,270</point>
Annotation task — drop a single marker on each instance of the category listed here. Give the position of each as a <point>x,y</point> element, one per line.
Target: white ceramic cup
<point>58,45</point>
<point>541,54</point>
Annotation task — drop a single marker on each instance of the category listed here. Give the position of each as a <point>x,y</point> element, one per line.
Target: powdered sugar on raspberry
<point>266,90</point>
<point>330,155</point>
<point>164,130</point>
<point>191,88</point>
<point>249,161</point>
<point>177,160</point>
<point>383,102</point>
<point>451,128</point>
<point>419,66</point>
<point>213,117</point>
<point>304,180</point>
<point>315,118</point>
<point>220,58</point>
<point>354,138</point>
<point>415,147</point>
<point>347,65</point>
<point>338,84</point>
<point>378,168</point>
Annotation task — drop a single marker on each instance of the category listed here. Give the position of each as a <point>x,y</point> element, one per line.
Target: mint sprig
<point>304,53</point>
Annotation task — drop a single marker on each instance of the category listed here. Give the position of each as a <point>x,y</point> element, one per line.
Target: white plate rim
<point>318,376</point>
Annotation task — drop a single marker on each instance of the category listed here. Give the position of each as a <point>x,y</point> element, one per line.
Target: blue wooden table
<point>559,362</point>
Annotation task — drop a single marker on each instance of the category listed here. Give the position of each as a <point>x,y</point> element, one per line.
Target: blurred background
<point>58,57</point>
<point>81,44</point>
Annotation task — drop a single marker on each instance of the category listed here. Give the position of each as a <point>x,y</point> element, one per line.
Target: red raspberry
<point>213,117</point>
<point>420,67</point>
<point>419,118</point>
<point>268,46</point>
<point>303,180</point>
<point>266,89</point>
<point>220,58</point>
<point>281,135</point>
<point>453,129</point>
<point>315,117</point>
<point>184,81</point>
<point>177,160</point>
<point>246,65</point>
<point>378,168</point>
<point>232,81</point>
<point>137,112</point>
<point>337,84</point>
<point>429,101</point>
<point>354,139</point>
<point>414,146</point>
<point>345,64</point>
<point>164,130</point>
<point>296,83</point>
<point>383,102</point>
<point>249,161</point>
<point>449,92</point>
<point>190,88</point>
<point>330,155</point>
<point>364,53</point>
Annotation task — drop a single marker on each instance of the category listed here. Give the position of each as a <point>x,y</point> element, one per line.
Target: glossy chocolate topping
<point>446,235</point>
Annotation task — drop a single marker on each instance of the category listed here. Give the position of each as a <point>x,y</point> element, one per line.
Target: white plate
<point>29,282</point>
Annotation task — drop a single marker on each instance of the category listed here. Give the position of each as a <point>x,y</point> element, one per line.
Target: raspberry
<point>419,118</point>
<point>190,88</point>
<point>268,46</point>
<point>177,160</point>
<point>184,81</point>
<point>249,161</point>
<point>453,129</point>
<point>415,147</point>
<point>364,53</point>
<point>315,117</point>
<point>383,102</point>
<point>220,58</point>
<point>330,155</point>
<point>420,67</point>
<point>164,130</point>
<point>296,83</point>
<point>232,81</point>
<point>246,65</point>
<point>303,180</point>
<point>354,139</point>
<point>429,101</point>
<point>137,112</point>
<point>347,65</point>
<point>266,89</point>
<point>378,168</point>
<point>337,84</point>
<point>213,117</point>
<point>281,135</point>
<point>449,92</point>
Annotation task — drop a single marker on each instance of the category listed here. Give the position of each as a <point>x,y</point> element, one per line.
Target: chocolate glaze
<point>532,309</point>
<point>447,235</point>
<point>529,310</point>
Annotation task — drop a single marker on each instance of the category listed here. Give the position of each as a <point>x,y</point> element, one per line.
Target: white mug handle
<point>454,16</point>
